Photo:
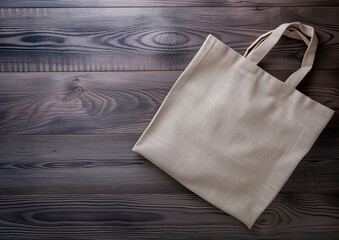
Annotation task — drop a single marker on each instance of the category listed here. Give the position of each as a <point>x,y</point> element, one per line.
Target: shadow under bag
<point>231,132</point>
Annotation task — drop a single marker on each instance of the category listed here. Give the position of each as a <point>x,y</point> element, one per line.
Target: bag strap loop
<point>265,42</point>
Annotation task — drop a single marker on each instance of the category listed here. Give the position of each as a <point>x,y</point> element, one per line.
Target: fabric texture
<point>231,132</point>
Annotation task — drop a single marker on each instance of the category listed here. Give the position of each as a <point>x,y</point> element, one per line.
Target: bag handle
<point>265,42</point>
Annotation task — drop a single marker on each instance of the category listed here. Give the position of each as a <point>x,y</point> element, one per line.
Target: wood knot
<point>74,93</point>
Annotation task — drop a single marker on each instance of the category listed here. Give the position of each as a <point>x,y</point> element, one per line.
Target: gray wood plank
<point>117,102</point>
<point>132,39</point>
<point>105,163</point>
<point>165,3</point>
<point>148,216</point>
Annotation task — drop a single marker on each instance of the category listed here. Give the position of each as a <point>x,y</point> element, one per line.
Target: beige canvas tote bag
<point>231,132</point>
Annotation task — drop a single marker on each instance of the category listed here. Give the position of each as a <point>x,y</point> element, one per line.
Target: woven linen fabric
<point>231,132</point>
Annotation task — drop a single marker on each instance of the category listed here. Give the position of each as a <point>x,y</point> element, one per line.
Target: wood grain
<point>133,39</point>
<point>81,80</point>
<point>105,163</point>
<point>119,102</point>
<point>153,216</point>
<point>165,3</point>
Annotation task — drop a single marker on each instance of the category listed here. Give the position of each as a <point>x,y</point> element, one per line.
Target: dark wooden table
<point>81,80</point>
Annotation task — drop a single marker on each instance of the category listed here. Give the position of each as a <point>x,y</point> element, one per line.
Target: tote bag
<point>231,132</point>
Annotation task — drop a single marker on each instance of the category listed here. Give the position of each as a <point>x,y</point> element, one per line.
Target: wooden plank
<point>81,103</point>
<point>77,164</point>
<point>105,163</point>
<point>121,39</point>
<point>140,216</point>
<point>165,3</point>
<point>118,102</point>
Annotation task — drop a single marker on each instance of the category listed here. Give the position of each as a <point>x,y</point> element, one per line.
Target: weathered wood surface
<point>161,216</point>
<point>165,3</point>
<point>81,80</point>
<point>118,102</point>
<point>104,163</point>
<point>132,39</point>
